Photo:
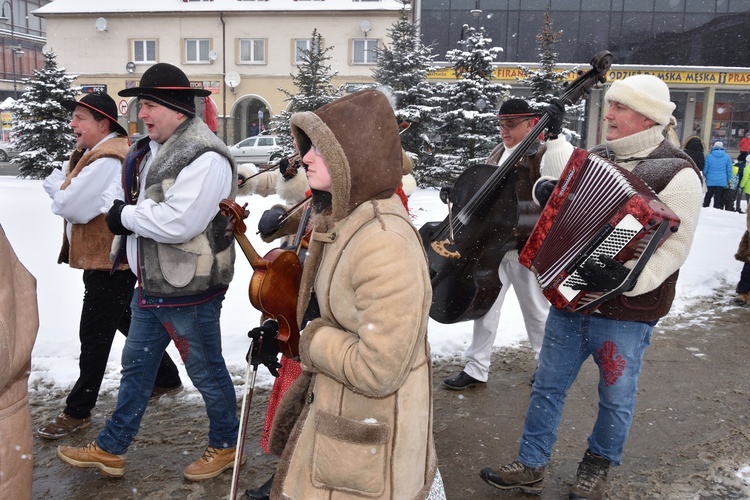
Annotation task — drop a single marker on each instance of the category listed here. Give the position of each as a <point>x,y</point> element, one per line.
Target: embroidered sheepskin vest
<point>206,261</point>
<point>91,242</point>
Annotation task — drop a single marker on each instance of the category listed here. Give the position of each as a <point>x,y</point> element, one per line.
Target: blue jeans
<point>197,336</point>
<point>569,339</point>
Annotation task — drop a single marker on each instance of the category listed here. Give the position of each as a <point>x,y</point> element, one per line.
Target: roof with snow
<point>61,7</point>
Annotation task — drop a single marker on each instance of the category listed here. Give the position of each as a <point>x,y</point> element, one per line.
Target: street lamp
<point>13,49</point>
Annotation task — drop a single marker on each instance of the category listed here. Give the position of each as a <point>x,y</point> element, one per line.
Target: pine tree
<point>546,83</point>
<point>314,88</point>
<point>41,131</point>
<point>402,67</point>
<point>467,129</point>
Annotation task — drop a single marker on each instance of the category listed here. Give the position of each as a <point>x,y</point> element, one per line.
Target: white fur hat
<point>646,94</point>
<point>718,144</point>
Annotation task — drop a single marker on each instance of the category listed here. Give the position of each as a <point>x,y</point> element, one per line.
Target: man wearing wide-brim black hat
<point>166,213</point>
<point>77,198</point>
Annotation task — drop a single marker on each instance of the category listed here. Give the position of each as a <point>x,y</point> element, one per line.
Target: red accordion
<point>597,208</point>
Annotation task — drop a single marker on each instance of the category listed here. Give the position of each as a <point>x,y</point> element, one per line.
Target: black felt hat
<point>169,86</point>
<point>515,108</point>
<point>102,104</point>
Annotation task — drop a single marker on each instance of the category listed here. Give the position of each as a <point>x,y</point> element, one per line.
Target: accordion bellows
<point>597,208</point>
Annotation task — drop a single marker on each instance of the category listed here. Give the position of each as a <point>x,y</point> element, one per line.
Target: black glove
<point>556,112</point>
<point>265,349</point>
<point>114,218</point>
<point>445,193</point>
<point>270,221</point>
<point>543,190</point>
<point>603,275</point>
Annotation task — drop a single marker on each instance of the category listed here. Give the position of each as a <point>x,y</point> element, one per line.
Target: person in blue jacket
<point>717,170</point>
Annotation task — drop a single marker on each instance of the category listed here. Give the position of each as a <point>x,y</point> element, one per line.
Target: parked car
<point>258,149</point>
<point>7,151</point>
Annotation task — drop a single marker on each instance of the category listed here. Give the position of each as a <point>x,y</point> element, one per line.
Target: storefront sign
<point>96,88</point>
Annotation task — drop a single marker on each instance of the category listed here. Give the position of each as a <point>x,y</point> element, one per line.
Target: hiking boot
<point>213,462</point>
<point>741,299</point>
<point>92,456</point>
<point>159,391</point>
<point>63,425</point>
<point>591,478</point>
<point>462,381</point>
<point>515,475</point>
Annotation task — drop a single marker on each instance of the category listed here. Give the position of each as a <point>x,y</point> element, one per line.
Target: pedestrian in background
<point>717,171</point>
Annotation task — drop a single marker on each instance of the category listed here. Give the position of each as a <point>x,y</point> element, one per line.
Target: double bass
<point>464,251</point>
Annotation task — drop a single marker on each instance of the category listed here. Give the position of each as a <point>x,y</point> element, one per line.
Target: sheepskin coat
<point>19,322</point>
<point>365,425</point>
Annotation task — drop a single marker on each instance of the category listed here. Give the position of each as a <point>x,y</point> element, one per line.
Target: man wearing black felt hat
<point>516,119</point>
<point>76,193</point>
<point>165,210</point>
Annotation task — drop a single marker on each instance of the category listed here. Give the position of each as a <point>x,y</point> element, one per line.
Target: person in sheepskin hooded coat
<point>358,421</point>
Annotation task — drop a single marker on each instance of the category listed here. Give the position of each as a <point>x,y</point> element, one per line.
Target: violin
<point>275,283</point>
<point>494,214</point>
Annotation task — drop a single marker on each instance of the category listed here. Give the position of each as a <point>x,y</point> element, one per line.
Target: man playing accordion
<point>618,331</point>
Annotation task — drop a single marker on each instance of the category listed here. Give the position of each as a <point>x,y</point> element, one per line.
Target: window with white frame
<point>144,51</point>
<point>301,45</point>
<point>197,50</point>
<point>363,50</point>
<point>252,50</point>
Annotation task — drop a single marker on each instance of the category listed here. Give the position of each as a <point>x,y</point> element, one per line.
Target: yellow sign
<point>7,120</point>
<point>673,77</point>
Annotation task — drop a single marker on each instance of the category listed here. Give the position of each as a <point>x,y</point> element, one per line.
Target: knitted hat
<point>515,108</point>
<point>718,144</point>
<point>646,94</point>
<point>98,103</point>
<point>169,86</point>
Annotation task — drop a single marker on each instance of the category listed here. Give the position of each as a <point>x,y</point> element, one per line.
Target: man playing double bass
<point>517,119</point>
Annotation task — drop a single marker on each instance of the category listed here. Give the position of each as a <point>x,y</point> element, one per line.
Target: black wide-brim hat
<point>102,104</point>
<point>169,86</point>
<point>516,108</point>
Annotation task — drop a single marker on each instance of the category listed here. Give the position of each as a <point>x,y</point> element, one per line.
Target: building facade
<point>242,51</point>
<point>701,48</point>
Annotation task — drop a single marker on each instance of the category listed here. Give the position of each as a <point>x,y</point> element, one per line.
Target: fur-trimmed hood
<point>352,133</point>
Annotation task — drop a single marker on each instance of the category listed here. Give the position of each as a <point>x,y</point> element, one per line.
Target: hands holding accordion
<point>601,274</point>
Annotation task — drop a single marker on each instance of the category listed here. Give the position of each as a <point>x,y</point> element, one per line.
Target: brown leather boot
<point>213,462</point>
<point>591,478</point>
<point>92,456</point>
<point>63,425</point>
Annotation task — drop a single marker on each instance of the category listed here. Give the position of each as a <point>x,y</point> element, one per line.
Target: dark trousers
<point>717,192</point>
<point>744,285</point>
<point>106,309</point>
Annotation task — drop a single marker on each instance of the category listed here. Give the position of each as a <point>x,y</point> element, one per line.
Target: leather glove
<point>270,221</point>
<point>543,190</point>
<point>445,193</point>
<point>556,112</point>
<point>265,349</point>
<point>114,218</point>
<point>603,275</point>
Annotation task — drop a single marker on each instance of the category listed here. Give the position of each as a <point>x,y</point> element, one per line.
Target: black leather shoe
<point>462,381</point>
<point>262,493</point>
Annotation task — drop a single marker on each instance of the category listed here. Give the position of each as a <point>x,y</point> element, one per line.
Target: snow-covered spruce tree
<point>546,83</point>
<point>467,128</point>
<point>314,88</point>
<point>41,130</point>
<point>402,67</point>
